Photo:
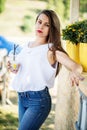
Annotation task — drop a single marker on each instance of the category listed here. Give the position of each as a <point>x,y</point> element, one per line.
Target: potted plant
<point>76,46</point>
<point>83,45</point>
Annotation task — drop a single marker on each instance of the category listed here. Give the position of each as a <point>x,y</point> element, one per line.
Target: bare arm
<point>75,69</point>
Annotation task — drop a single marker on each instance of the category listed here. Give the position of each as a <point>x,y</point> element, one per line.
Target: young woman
<point>38,65</point>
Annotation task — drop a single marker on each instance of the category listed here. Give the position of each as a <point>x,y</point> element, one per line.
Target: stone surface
<point>67,102</point>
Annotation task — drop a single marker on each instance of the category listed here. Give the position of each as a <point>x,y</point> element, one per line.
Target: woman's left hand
<point>75,77</point>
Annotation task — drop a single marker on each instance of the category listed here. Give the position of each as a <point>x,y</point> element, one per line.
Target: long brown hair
<point>54,31</point>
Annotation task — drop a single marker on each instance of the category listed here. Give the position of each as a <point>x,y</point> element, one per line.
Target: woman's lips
<point>39,31</point>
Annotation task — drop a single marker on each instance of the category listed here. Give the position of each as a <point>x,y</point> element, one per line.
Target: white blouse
<point>35,72</point>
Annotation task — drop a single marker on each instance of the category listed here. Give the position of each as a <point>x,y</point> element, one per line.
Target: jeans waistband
<point>35,94</point>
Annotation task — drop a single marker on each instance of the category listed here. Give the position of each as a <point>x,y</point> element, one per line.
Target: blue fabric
<point>5,44</point>
<point>34,107</point>
<point>76,126</point>
<point>81,123</point>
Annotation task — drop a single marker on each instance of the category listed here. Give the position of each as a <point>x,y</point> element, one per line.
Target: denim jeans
<point>34,107</point>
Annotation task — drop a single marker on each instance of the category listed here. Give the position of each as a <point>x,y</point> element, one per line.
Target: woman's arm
<point>75,68</point>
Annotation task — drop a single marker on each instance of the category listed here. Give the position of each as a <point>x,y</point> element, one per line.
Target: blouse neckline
<point>41,45</point>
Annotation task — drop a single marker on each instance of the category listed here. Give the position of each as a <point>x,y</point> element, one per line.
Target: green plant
<point>2,5</point>
<point>76,32</point>
<point>27,24</point>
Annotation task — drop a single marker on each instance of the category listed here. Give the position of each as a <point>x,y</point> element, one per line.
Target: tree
<point>2,5</point>
<point>62,7</point>
<point>83,7</point>
<point>66,8</point>
<point>56,5</point>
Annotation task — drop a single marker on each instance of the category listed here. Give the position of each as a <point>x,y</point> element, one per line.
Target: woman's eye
<point>39,22</point>
<point>47,25</point>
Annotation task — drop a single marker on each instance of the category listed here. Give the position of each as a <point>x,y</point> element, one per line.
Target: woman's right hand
<point>11,67</point>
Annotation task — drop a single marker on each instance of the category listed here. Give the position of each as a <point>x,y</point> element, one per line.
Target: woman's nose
<point>41,26</point>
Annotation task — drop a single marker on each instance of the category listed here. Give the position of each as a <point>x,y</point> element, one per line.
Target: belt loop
<point>27,95</point>
<point>46,88</point>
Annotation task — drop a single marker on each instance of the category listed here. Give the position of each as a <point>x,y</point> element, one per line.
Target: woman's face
<point>42,26</point>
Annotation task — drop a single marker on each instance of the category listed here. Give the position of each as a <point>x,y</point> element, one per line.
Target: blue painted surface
<point>8,45</point>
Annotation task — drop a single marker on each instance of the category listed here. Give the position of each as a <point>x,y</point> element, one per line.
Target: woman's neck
<point>40,41</point>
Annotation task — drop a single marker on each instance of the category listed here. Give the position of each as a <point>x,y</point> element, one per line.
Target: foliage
<point>83,7</point>
<point>62,7</point>
<point>58,6</point>
<point>76,32</point>
<point>2,5</point>
<point>8,121</point>
<point>66,8</point>
<point>27,23</point>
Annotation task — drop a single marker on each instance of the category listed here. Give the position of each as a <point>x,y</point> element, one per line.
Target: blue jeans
<point>34,107</point>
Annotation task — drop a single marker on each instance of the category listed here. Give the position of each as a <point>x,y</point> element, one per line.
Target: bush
<point>27,24</point>
<point>76,32</point>
<point>2,5</point>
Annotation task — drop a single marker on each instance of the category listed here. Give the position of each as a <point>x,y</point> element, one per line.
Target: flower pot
<point>83,55</point>
<point>73,51</point>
